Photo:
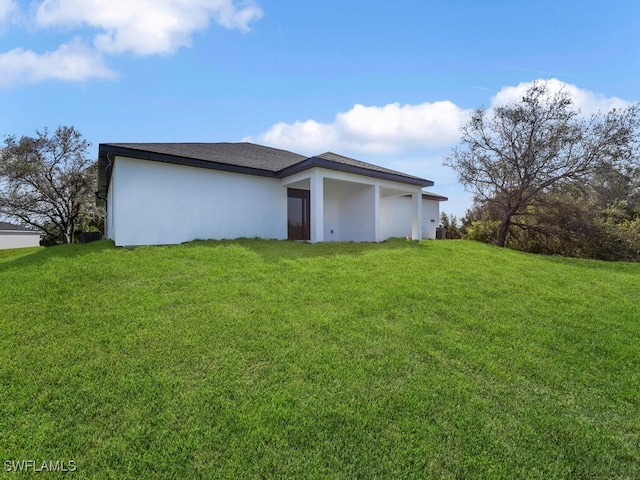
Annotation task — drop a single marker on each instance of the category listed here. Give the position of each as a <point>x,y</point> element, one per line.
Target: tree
<point>512,155</point>
<point>449,222</point>
<point>48,181</point>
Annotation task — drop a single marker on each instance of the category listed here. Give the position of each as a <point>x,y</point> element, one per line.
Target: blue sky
<point>384,82</point>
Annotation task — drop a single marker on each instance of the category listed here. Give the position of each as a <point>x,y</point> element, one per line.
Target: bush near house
<point>267,359</point>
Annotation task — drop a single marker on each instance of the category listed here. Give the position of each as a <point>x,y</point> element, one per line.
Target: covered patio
<point>327,205</point>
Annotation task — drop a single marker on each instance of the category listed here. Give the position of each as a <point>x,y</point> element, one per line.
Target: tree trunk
<point>503,230</point>
<point>68,234</point>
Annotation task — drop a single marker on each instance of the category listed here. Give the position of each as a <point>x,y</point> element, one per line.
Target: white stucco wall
<point>395,217</point>
<point>109,231</point>
<point>349,211</point>
<point>10,239</point>
<point>430,211</point>
<point>153,203</point>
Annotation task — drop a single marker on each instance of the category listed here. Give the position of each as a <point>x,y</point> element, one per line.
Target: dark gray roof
<point>239,154</point>
<point>434,196</point>
<point>16,228</point>
<point>244,157</point>
<point>431,196</point>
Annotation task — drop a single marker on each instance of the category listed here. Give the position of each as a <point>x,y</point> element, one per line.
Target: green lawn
<point>267,359</point>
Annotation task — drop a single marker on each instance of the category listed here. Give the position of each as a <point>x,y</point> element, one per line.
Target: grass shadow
<point>270,251</point>
<point>588,264</point>
<point>273,251</point>
<point>40,255</point>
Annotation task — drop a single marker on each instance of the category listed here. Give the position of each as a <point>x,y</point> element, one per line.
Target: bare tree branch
<point>511,155</point>
<point>47,181</point>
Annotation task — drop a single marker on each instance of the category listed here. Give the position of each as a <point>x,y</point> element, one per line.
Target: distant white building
<point>167,193</point>
<point>15,236</point>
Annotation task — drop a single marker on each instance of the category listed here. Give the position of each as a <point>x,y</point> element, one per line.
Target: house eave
<point>21,232</point>
<point>434,196</point>
<point>313,162</point>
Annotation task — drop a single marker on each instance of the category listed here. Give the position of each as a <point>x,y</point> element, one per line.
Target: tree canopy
<point>48,181</point>
<point>515,158</point>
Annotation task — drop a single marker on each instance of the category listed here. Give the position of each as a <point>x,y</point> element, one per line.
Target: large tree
<point>512,155</point>
<point>48,181</point>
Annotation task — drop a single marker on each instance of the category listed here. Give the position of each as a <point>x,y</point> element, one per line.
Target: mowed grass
<point>267,359</point>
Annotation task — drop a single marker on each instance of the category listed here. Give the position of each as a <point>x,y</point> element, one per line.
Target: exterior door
<point>298,214</point>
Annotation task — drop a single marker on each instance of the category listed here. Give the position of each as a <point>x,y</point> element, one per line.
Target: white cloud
<point>145,27</point>
<point>7,7</point>
<point>392,128</point>
<point>71,62</point>
<point>399,129</point>
<point>588,102</point>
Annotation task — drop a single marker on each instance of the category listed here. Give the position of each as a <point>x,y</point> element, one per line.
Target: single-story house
<point>16,236</point>
<point>167,193</point>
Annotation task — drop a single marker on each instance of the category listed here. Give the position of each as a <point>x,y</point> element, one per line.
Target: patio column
<point>376,212</point>
<point>317,207</point>
<point>416,201</point>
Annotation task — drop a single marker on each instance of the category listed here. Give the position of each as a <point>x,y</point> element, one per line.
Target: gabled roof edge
<point>312,162</point>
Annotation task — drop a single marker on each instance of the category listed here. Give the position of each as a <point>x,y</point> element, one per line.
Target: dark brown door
<point>298,214</point>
